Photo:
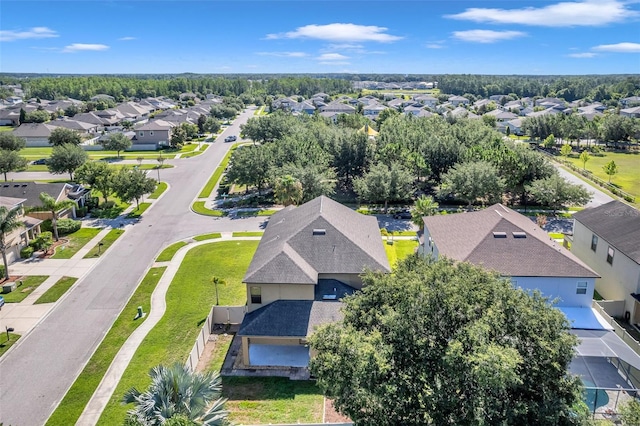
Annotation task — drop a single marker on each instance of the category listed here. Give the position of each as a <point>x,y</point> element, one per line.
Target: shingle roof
<point>30,191</point>
<point>617,223</point>
<point>297,318</point>
<point>34,130</point>
<point>289,252</point>
<point>470,237</point>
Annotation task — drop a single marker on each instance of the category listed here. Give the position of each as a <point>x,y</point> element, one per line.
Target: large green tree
<point>472,182</point>
<point>61,136</point>
<point>555,192</point>
<point>177,393</point>
<point>382,184</point>
<point>11,161</point>
<point>9,221</point>
<point>251,165</point>
<point>117,142</point>
<point>132,184</point>
<point>11,142</point>
<point>66,159</point>
<point>444,343</point>
<point>98,175</point>
<point>288,190</point>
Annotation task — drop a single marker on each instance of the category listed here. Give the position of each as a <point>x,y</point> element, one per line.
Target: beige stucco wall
<point>273,292</point>
<point>619,279</point>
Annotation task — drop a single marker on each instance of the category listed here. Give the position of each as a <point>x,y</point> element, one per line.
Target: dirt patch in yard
<point>331,415</point>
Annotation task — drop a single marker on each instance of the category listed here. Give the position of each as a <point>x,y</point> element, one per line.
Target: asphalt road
<point>38,371</point>
<point>599,197</point>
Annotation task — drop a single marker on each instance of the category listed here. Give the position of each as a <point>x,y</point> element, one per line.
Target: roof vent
<point>319,232</point>
<point>518,234</point>
<point>499,235</point>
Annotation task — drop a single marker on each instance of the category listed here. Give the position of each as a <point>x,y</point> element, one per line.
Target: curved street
<point>36,373</point>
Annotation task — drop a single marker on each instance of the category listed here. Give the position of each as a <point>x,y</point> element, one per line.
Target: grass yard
<point>137,212</point>
<point>628,176</point>
<point>399,233</point>
<point>194,153</point>
<point>168,253</point>
<point>71,406</point>
<point>211,236</point>
<point>216,175</point>
<point>160,188</point>
<point>76,241</point>
<point>29,283</point>
<point>399,250</point>
<point>189,300</point>
<point>248,234</point>
<point>106,242</point>
<point>6,128</point>
<point>219,352</point>
<point>56,291</point>
<point>198,207</point>
<point>254,400</point>
<point>6,344</point>
<point>265,212</point>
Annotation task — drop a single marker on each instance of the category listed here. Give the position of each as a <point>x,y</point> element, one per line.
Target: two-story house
<point>308,259</point>
<point>607,237</point>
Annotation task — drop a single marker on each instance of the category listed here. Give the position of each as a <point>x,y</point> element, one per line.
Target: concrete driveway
<point>37,372</point>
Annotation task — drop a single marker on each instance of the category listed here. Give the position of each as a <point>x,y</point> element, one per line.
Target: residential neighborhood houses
<point>314,255</point>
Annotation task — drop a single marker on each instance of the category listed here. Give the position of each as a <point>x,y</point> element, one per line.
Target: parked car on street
<point>40,161</point>
<point>230,139</point>
<point>403,214</point>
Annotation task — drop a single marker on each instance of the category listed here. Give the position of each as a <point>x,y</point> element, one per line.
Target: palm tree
<point>49,204</point>
<point>8,222</point>
<point>424,206</point>
<point>177,392</point>
<point>288,190</point>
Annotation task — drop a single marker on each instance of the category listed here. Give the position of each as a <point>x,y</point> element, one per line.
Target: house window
<point>581,288</point>
<point>256,295</point>
<point>594,242</point>
<point>141,134</point>
<point>610,253</point>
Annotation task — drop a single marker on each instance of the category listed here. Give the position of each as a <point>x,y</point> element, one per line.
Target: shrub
<point>46,226</point>
<point>68,226</point>
<point>26,252</point>
<point>43,241</point>
<point>81,211</point>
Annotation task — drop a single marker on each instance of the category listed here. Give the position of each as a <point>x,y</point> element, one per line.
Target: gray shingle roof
<point>470,237</point>
<point>617,223</point>
<point>30,191</point>
<point>289,252</point>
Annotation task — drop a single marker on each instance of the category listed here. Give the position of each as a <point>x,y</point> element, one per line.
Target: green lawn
<point>399,250</point>
<point>189,300</point>
<point>160,188</point>
<point>194,153</point>
<point>217,174</point>
<point>57,290</point>
<point>219,353</point>
<point>6,344</point>
<point>43,152</point>
<point>248,234</point>
<point>628,176</point>
<point>207,236</point>
<point>71,406</point>
<point>106,242</point>
<point>198,207</point>
<point>399,233</point>
<point>76,241</point>
<point>168,253</point>
<point>6,128</point>
<point>137,212</point>
<point>263,212</point>
<point>29,283</point>
<point>255,400</point>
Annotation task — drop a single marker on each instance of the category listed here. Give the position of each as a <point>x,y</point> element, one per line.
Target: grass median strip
<point>106,242</point>
<point>217,174</point>
<point>6,344</point>
<point>75,242</point>
<point>162,186</point>
<point>29,283</point>
<point>137,212</point>
<point>211,236</point>
<point>199,208</point>
<point>248,234</point>
<point>189,299</point>
<point>265,212</point>
<point>168,253</point>
<point>56,291</point>
<point>73,403</point>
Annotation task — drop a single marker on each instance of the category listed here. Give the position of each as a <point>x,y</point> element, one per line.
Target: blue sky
<point>412,37</point>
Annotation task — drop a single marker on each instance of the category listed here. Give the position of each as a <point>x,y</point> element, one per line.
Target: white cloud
<point>486,36</point>
<point>334,63</point>
<point>563,14</point>
<point>283,54</point>
<point>81,47</point>
<point>349,33</point>
<point>619,48</point>
<point>344,46</point>
<point>582,55</point>
<point>436,45</point>
<point>126,38</point>
<point>35,32</point>
<point>331,57</point>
